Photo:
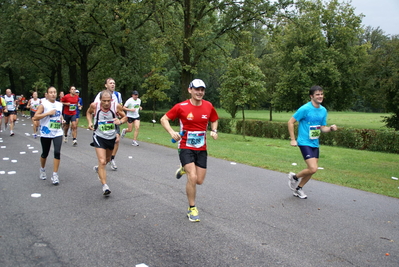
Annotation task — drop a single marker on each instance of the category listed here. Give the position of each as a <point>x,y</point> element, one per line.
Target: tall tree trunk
<point>243,122</point>
<point>271,112</point>
<point>84,73</point>
<point>186,75</point>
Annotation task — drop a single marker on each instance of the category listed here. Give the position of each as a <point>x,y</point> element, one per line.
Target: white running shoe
<point>54,179</point>
<point>75,142</point>
<point>123,133</point>
<point>134,143</point>
<point>292,183</point>
<point>106,190</point>
<point>43,175</point>
<point>299,193</point>
<point>113,165</point>
<point>65,139</point>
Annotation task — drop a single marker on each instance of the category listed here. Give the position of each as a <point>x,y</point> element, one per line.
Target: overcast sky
<point>379,13</point>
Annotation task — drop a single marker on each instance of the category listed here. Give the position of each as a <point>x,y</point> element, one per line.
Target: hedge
<point>384,140</point>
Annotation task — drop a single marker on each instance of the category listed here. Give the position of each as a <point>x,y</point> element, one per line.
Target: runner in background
<point>70,102</point>
<point>11,113</point>
<point>33,105</point>
<point>132,108</point>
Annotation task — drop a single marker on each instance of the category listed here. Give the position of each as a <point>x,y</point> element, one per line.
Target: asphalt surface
<point>249,216</point>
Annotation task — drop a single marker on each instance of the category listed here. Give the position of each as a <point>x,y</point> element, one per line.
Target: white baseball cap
<point>197,83</point>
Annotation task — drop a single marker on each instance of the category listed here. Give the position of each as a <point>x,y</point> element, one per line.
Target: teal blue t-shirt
<point>310,120</point>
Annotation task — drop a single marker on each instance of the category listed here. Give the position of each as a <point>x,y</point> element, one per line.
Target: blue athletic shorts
<point>309,152</point>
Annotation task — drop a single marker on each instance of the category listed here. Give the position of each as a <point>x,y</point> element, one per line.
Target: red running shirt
<point>73,100</point>
<point>194,120</point>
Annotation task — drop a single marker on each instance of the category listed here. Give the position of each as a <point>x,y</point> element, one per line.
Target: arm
<point>121,114</point>
<point>326,129</point>
<point>28,105</point>
<point>214,130</point>
<point>40,115</point>
<point>166,125</point>
<point>291,128</point>
<point>89,116</point>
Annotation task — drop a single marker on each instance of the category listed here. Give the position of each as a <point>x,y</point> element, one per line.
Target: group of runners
<point>106,114</point>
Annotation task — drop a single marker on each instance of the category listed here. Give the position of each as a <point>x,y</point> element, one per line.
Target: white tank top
<point>51,126</point>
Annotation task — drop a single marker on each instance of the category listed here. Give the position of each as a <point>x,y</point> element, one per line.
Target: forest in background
<point>251,54</point>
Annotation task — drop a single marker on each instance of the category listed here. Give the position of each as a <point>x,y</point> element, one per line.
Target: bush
<point>363,139</point>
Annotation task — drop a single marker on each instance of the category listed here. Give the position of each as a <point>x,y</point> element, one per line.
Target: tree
<point>242,85</point>
<point>194,30</point>
<point>381,88</point>
<point>319,46</point>
<point>156,83</point>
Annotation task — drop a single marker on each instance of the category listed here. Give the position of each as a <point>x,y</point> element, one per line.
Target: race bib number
<point>314,132</point>
<point>196,139</point>
<point>55,124</point>
<point>72,107</point>
<point>106,126</point>
<point>10,105</point>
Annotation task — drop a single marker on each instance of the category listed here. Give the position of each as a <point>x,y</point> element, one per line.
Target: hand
<point>293,143</point>
<point>333,127</point>
<point>176,136</point>
<point>90,127</point>
<point>214,135</point>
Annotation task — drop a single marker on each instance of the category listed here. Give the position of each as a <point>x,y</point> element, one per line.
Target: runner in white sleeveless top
<point>104,132</point>
<point>50,115</point>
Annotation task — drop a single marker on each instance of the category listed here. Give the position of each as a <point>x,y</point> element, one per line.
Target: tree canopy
<point>296,45</point>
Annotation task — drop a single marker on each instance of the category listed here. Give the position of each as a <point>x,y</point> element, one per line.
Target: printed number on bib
<point>72,107</point>
<point>196,139</point>
<point>106,126</point>
<point>314,132</point>
<point>55,124</point>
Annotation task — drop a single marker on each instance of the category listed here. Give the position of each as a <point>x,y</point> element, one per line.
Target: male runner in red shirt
<point>70,102</point>
<point>194,115</point>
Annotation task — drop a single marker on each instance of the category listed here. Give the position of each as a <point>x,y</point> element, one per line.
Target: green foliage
<point>319,46</point>
<point>242,85</point>
<point>381,83</point>
<point>40,87</point>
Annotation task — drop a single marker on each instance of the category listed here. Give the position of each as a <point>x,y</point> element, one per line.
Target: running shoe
<point>54,179</point>
<point>75,142</point>
<point>65,139</point>
<point>113,165</point>
<point>11,133</point>
<point>299,193</point>
<point>134,143</point>
<point>192,214</point>
<point>43,175</point>
<point>292,183</point>
<point>180,172</point>
<point>1,131</point>
<point>106,190</point>
<point>35,136</point>
<point>123,133</point>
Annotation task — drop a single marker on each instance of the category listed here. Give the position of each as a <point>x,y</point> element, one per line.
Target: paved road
<point>248,215</point>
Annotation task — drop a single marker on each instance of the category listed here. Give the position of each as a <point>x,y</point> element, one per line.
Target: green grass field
<point>364,170</point>
<point>359,120</point>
